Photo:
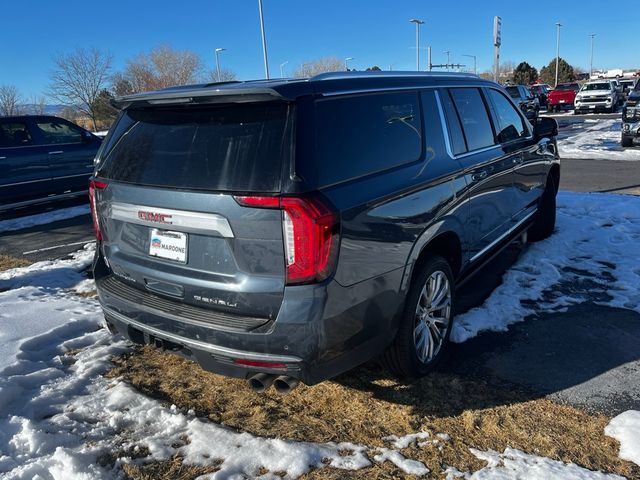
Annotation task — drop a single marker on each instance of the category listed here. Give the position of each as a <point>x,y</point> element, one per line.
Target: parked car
<point>598,95</point>
<point>528,103</point>
<point>43,158</point>
<point>626,86</point>
<point>289,230</point>
<point>541,92</point>
<point>631,117</point>
<point>563,96</point>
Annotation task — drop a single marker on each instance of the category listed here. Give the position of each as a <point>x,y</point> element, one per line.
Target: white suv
<point>598,95</point>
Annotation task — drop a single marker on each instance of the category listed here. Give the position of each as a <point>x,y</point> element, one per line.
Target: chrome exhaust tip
<point>285,384</point>
<point>260,382</point>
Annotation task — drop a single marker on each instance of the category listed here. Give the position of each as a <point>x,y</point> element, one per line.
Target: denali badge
<point>154,217</point>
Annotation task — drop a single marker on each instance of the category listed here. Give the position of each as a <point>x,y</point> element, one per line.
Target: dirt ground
<point>366,405</point>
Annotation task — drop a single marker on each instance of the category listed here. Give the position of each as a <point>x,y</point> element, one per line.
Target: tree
<point>375,68</point>
<point>37,105</point>
<point>162,67</point>
<point>105,113</point>
<point>525,74</point>
<point>565,72</point>
<point>316,67</point>
<point>78,78</point>
<point>10,100</point>
<point>226,75</point>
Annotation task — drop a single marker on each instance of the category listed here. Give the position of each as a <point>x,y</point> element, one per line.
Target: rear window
<point>360,135</point>
<point>513,92</point>
<point>228,148</point>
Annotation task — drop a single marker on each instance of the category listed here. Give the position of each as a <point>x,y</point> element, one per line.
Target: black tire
<point>545,217</point>
<point>627,142</point>
<point>402,357</point>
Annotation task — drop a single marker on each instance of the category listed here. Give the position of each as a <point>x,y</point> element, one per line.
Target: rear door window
<point>14,134</point>
<point>234,147</point>
<point>364,134</point>
<point>59,132</point>
<point>458,144</point>
<point>474,117</point>
<point>510,124</point>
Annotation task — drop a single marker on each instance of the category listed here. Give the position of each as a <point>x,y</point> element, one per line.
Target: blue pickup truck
<point>43,158</point>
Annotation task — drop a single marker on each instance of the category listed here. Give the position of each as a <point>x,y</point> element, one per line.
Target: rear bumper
<point>320,331</point>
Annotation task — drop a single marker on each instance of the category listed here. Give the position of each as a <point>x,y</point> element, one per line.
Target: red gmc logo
<point>154,217</point>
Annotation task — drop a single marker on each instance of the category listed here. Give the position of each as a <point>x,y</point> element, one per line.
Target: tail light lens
<point>311,235</point>
<point>93,186</point>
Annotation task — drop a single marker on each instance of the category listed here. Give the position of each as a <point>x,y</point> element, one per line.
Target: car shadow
<point>586,355</point>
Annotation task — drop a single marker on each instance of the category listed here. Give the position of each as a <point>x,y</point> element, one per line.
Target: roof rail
<point>386,74</point>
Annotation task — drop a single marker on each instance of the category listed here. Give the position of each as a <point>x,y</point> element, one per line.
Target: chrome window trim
<point>391,89</point>
<point>193,222</point>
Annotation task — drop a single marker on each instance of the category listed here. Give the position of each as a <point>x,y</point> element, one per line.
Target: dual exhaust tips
<point>262,381</point>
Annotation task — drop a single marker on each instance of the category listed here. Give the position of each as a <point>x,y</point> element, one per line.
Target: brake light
<point>311,234</point>
<point>93,186</point>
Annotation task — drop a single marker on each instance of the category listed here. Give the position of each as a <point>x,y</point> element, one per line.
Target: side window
<point>510,124</point>
<point>364,134</point>
<point>14,134</point>
<point>458,144</point>
<point>59,132</point>
<point>474,117</point>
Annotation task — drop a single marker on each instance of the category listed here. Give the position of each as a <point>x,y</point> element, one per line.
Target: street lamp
<point>557,51</point>
<point>282,68</point>
<point>448,54</point>
<point>346,63</point>
<point>218,50</point>
<point>418,23</point>
<point>475,70</point>
<point>591,62</point>
<point>264,41</point>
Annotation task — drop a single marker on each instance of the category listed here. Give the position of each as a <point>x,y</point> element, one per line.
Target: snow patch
<point>514,464</point>
<point>626,429</point>
<point>597,237</point>
<point>600,140</point>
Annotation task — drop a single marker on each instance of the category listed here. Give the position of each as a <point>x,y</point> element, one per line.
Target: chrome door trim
<point>193,222</point>
<point>501,237</point>
<point>46,199</point>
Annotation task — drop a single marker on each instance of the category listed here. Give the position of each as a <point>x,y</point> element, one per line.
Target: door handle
<point>519,158</point>
<point>3,158</point>
<point>479,176</point>
<point>57,152</point>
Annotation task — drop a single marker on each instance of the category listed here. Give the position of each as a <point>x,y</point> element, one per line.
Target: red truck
<point>562,96</point>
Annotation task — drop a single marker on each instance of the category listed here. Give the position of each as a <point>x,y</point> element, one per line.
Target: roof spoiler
<point>197,96</point>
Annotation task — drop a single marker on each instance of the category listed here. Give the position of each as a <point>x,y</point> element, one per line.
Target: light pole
<point>264,41</point>
<point>346,63</point>
<point>218,50</point>
<point>591,61</point>
<point>282,68</point>
<point>557,52</point>
<point>418,23</point>
<point>475,70</point>
<point>448,54</point>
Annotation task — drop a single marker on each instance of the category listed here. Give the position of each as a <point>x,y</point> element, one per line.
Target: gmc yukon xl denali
<point>289,230</point>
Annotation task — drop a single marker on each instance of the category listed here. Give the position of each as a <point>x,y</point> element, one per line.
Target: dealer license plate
<point>168,244</point>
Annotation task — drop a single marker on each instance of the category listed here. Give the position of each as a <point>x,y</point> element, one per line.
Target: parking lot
<point>542,384</point>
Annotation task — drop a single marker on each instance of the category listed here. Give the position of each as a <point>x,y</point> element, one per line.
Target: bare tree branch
<point>10,100</point>
<point>78,79</point>
<point>321,65</point>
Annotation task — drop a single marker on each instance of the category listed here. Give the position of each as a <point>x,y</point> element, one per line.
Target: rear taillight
<point>310,232</point>
<point>93,186</point>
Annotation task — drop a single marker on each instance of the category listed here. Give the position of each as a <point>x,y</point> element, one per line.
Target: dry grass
<point>172,469</point>
<point>366,405</point>
<point>7,262</point>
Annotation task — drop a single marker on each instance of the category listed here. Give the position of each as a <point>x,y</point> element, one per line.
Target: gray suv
<point>290,230</point>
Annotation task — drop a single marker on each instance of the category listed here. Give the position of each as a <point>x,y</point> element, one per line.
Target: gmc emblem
<point>154,217</point>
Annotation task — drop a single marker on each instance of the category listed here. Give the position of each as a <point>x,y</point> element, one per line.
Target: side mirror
<point>545,127</point>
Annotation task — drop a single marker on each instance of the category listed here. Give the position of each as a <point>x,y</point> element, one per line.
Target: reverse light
<point>93,186</point>
<point>310,232</point>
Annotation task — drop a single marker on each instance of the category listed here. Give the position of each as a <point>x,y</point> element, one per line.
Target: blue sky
<point>374,32</point>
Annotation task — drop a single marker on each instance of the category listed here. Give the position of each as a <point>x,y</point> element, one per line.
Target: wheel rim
<point>432,317</point>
